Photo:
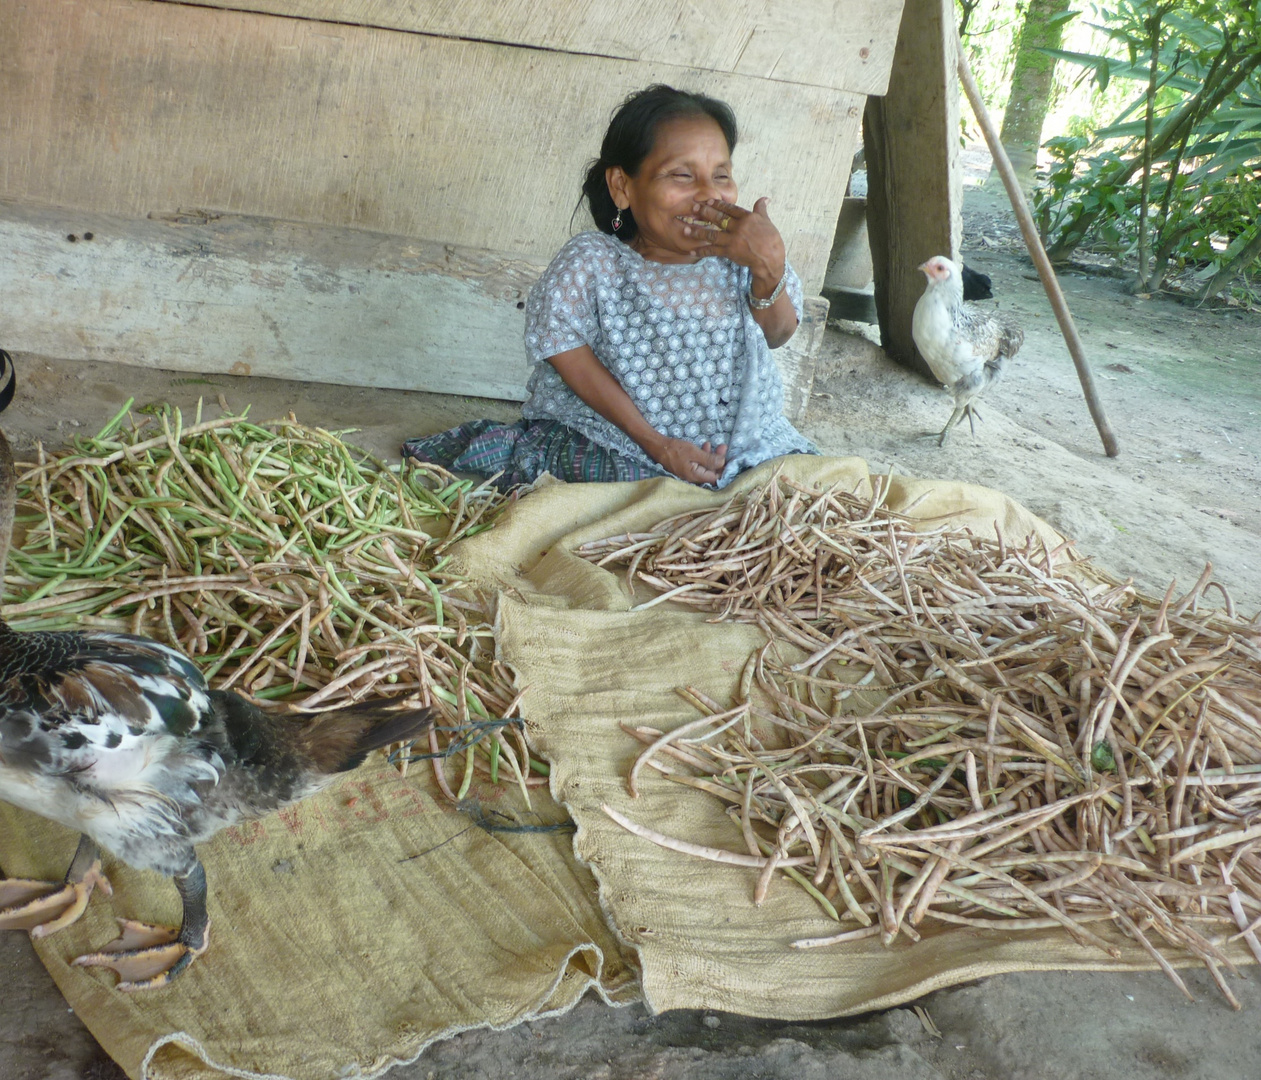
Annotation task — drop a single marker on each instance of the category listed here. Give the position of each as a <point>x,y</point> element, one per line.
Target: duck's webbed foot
<point>146,957</point>
<point>44,907</point>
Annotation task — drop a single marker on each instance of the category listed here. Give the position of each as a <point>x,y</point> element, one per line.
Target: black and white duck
<point>119,738</point>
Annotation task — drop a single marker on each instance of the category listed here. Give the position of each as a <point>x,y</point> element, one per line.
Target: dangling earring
<point>617,219</point>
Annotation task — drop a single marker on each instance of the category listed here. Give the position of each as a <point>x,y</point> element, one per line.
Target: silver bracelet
<point>762,305</point>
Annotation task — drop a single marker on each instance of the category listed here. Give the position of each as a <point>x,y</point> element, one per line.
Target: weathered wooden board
<point>799,358</point>
<point>843,44</point>
<point>849,264</point>
<point>134,107</point>
<point>914,180</point>
<point>259,297</point>
<point>250,296</point>
<point>341,202</point>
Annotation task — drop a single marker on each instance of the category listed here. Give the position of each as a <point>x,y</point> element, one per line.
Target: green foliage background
<point>1154,135</point>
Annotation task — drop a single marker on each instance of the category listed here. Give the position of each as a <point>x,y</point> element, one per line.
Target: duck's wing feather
<point>111,716</point>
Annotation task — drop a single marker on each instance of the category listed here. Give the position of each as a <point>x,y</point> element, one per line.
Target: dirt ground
<point>1182,389</point>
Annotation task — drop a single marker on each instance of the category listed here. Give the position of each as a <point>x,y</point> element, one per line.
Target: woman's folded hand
<point>687,461</point>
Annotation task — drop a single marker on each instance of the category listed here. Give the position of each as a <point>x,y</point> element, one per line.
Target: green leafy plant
<point>1173,181</point>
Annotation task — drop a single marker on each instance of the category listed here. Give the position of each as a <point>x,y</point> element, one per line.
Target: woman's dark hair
<point>630,138</point>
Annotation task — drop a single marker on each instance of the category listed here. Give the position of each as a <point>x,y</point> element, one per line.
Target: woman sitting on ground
<point>651,339</point>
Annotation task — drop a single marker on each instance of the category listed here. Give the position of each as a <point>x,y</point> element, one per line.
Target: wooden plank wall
<point>382,117</point>
<point>256,296</point>
<point>914,178</point>
<point>842,44</point>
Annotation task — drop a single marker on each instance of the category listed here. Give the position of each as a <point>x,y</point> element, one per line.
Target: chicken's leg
<point>146,957</point>
<point>966,409</point>
<point>955,417</point>
<point>44,907</point>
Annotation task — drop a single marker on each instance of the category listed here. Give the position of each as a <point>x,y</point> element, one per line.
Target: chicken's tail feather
<point>1011,337</point>
<point>340,739</point>
<point>993,371</point>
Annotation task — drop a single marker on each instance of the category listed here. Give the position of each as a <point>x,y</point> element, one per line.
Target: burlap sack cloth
<point>334,952</point>
<point>347,933</point>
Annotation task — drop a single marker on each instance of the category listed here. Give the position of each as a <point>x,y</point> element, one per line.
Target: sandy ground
<point>1182,389</point>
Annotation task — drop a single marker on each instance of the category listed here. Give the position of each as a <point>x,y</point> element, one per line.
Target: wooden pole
<point>1034,243</point>
<point>914,180</point>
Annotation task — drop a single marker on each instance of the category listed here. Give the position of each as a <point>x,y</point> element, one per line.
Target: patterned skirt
<point>520,453</point>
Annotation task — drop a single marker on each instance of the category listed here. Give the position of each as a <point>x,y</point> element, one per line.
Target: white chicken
<point>965,346</point>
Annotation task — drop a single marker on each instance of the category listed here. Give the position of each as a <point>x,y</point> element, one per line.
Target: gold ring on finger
<point>725,224</point>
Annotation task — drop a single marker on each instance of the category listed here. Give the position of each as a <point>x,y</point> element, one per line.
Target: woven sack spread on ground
<point>347,933</point>
<point>335,952</point>
<point>591,664</point>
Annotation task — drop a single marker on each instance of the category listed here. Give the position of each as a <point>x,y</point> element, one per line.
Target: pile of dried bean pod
<point>967,731</point>
<point>291,566</point>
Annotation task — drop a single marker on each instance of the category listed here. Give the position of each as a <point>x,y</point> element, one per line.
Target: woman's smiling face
<point>689,163</point>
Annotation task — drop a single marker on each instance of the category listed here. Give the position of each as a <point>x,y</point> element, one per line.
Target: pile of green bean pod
<point>292,566</point>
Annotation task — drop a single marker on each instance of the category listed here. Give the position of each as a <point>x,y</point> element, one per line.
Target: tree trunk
<point>1142,283</point>
<point>1031,81</point>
